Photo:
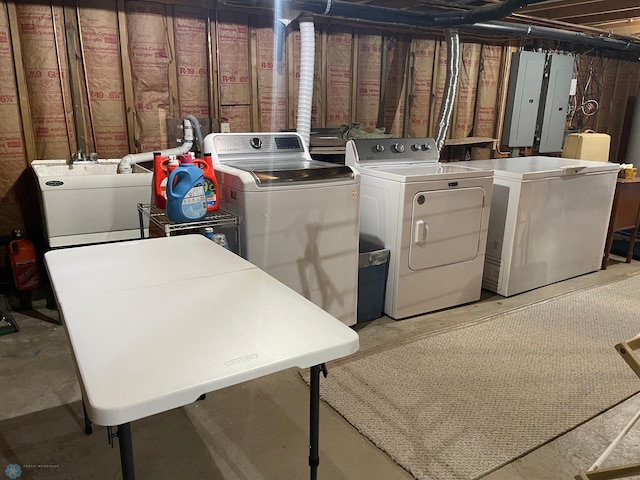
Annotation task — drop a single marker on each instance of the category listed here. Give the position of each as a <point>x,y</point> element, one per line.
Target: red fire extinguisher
<point>24,263</point>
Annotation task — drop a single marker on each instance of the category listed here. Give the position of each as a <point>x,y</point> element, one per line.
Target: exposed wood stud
<point>129,100</point>
<point>21,83</point>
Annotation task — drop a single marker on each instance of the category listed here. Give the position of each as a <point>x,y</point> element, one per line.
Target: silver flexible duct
<point>453,72</point>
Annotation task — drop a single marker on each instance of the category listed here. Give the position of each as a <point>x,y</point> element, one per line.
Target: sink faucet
<point>81,158</point>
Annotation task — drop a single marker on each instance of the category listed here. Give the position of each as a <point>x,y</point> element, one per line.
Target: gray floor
<point>257,430</point>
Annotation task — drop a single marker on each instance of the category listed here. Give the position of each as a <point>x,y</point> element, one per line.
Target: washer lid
<point>275,171</point>
<point>272,158</point>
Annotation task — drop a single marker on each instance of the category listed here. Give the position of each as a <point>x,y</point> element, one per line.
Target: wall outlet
<point>225,128</point>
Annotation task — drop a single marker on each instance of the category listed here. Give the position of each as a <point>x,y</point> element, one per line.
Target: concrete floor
<point>257,430</point>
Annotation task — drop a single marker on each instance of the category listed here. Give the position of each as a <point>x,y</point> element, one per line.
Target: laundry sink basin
<point>87,202</point>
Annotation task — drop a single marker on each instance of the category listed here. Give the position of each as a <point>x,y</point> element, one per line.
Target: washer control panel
<point>374,150</point>
<point>284,143</point>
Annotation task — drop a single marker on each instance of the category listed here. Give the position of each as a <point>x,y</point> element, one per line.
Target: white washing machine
<point>432,216</point>
<point>298,217</point>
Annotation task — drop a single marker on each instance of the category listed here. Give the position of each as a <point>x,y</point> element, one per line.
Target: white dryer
<point>432,216</point>
<point>298,217</point>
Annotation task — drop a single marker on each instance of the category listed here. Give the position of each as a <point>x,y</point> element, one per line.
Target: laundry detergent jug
<point>186,200</point>
<point>160,173</point>
<point>210,181</point>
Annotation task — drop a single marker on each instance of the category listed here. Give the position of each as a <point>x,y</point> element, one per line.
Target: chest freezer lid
<point>537,167</point>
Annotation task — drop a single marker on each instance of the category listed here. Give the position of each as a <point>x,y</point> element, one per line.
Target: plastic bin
<point>373,265</point>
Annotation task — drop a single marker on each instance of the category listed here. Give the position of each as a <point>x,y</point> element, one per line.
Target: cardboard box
<point>587,146</point>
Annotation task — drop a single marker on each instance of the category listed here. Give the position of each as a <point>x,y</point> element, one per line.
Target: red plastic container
<point>210,181</point>
<point>24,264</point>
<point>160,174</point>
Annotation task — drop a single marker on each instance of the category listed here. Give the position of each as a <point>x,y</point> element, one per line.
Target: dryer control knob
<point>398,147</point>
<point>255,142</point>
<point>415,147</point>
<point>379,148</point>
<point>426,146</point>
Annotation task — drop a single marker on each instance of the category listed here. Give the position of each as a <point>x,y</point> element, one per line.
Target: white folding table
<point>155,324</point>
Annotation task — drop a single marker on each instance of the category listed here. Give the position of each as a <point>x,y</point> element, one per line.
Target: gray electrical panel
<point>556,87</point>
<point>523,98</point>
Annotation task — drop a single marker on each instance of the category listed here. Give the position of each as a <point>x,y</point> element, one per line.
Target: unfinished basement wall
<point>234,78</point>
<point>102,65</point>
<point>110,75</point>
<point>13,154</point>
<point>420,74</point>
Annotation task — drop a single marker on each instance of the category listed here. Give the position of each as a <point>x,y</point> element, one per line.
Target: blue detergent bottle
<point>186,200</point>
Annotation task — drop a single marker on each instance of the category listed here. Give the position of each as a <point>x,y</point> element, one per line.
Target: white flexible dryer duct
<point>305,90</point>
<point>453,71</point>
<point>127,162</point>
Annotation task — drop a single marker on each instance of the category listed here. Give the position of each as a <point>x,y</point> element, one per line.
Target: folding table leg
<point>314,418</point>
<point>88,427</point>
<point>126,451</point>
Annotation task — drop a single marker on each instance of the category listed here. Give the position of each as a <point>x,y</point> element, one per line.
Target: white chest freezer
<point>548,222</point>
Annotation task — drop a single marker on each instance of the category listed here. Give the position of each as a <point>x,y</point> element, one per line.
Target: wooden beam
<point>322,115</point>
<point>611,473</point>
<point>503,88</point>
<point>355,53</point>
<point>558,7</point>
<point>129,101</point>
<point>212,64</point>
<point>21,84</point>
<point>174,91</point>
<point>256,120</point>
<point>576,11</point>
<point>606,25</point>
<point>622,28</point>
<point>611,15</point>
<point>79,98</point>
<point>62,58</point>
<point>291,80</point>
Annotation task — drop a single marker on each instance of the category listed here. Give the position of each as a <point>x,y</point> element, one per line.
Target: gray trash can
<point>373,265</point>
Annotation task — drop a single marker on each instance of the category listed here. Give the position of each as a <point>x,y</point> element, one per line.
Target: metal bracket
<point>111,435</point>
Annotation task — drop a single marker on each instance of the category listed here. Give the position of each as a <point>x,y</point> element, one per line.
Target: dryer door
<point>445,227</point>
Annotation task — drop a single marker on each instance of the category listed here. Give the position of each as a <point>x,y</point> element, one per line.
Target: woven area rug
<point>460,404</point>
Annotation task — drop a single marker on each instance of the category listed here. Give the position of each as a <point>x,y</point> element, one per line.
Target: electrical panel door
<point>557,87</point>
<point>523,98</point>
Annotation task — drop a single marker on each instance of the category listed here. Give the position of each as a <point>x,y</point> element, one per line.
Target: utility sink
<point>85,202</point>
